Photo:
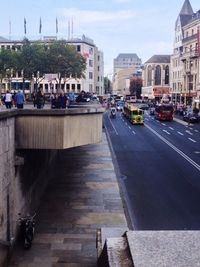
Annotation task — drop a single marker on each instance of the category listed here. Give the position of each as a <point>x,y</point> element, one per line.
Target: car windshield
<point>167,108</point>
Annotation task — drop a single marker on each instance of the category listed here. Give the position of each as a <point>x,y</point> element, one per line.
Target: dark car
<point>143,106</point>
<point>191,117</point>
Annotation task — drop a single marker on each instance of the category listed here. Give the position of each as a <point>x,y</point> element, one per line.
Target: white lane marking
<point>113,126</point>
<point>180,133</point>
<point>133,132</point>
<point>171,128</point>
<point>197,166</point>
<point>197,152</point>
<point>146,119</point>
<point>180,121</point>
<point>196,131</point>
<point>189,132</point>
<point>163,124</point>
<point>166,132</point>
<point>192,140</point>
<point>129,127</point>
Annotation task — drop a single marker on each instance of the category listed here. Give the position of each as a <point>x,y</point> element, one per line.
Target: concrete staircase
<point>113,249</point>
<point>125,248</point>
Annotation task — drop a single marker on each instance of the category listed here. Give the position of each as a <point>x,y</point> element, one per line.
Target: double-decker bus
<point>164,112</point>
<point>133,114</point>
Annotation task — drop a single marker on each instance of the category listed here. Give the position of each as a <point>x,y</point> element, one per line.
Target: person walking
<point>19,99</point>
<point>8,99</point>
<point>40,100</point>
<point>81,97</point>
<point>62,100</point>
<point>71,98</point>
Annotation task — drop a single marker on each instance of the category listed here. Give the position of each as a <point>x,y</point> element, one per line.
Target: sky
<point>144,27</point>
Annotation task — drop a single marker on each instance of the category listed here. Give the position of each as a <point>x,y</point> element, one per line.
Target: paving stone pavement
<point>82,197</point>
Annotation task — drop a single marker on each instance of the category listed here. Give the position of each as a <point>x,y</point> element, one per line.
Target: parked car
<point>191,117</point>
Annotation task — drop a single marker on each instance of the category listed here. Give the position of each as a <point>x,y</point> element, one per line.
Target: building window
<point>68,86</point>
<point>91,51</point>
<point>149,75</point>
<point>98,68</point>
<point>90,63</point>
<point>90,87</point>
<point>78,48</point>
<point>158,75</point>
<point>167,75</point>
<point>78,87</point>
<point>90,75</point>
<point>73,87</point>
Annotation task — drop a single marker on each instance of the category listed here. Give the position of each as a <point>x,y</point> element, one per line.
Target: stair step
<point>118,252</point>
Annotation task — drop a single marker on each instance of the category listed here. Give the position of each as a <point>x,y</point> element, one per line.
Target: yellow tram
<point>133,114</point>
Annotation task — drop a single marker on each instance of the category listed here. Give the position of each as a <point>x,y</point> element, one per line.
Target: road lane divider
<point>180,133</point>
<point>192,140</point>
<point>166,132</point>
<point>189,132</point>
<point>181,153</point>
<point>113,126</point>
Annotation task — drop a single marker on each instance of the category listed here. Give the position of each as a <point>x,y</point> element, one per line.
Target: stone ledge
<point>164,248</point>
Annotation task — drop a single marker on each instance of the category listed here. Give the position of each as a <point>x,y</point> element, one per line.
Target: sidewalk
<point>82,197</point>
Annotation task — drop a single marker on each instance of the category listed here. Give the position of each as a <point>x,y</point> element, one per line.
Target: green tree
<point>65,61</point>
<point>135,86</point>
<point>107,85</point>
<point>36,59</point>
<point>8,64</point>
<point>33,61</point>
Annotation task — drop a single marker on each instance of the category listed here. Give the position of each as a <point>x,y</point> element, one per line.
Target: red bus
<point>164,112</point>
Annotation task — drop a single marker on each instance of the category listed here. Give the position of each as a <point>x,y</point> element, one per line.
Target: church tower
<point>186,8</point>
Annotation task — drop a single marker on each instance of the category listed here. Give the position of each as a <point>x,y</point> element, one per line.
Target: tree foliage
<point>107,85</point>
<point>39,58</point>
<point>65,60</point>
<point>135,86</point>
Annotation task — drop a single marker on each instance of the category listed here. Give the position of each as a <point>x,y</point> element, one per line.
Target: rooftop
<point>159,59</point>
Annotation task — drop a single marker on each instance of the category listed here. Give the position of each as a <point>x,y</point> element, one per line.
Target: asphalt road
<point>159,169</point>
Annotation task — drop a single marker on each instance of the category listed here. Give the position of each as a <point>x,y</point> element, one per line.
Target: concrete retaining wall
<point>23,178</point>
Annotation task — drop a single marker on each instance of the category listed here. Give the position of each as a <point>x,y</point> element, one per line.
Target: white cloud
<point>94,16</point>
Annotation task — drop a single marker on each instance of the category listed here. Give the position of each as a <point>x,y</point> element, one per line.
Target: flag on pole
<point>56,25</point>
<point>24,25</point>
<point>40,27</point>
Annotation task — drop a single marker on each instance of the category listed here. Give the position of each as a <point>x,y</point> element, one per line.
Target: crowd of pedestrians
<point>9,100</point>
<point>59,100</point>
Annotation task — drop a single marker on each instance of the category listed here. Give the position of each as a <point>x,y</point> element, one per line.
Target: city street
<point>159,169</point>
